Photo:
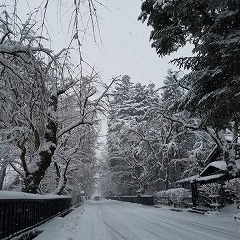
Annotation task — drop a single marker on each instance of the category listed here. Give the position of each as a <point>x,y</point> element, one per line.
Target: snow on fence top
<point>22,195</point>
<point>142,196</point>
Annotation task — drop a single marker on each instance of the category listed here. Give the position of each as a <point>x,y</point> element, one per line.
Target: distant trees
<point>213,85</point>
<point>151,144</point>
<point>128,112</point>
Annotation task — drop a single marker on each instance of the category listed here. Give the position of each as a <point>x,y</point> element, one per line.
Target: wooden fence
<point>19,215</point>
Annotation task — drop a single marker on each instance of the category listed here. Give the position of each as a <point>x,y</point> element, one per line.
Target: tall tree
<point>34,81</point>
<point>213,28</point>
<point>127,119</point>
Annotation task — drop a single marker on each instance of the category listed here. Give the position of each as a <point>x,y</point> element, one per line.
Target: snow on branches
<point>35,84</point>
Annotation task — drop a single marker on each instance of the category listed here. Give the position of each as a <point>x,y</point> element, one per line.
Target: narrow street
<point>113,220</point>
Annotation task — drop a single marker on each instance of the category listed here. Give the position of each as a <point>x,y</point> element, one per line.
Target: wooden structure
<point>214,172</point>
<point>20,212</point>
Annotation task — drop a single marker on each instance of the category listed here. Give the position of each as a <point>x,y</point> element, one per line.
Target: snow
<point>188,179</point>
<point>197,178</point>
<point>229,137</point>
<point>237,217</point>
<point>114,220</point>
<point>210,177</point>
<point>221,165</point>
<point>218,164</point>
<point>22,195</point>
<point>164,3</point>
<point>174,194</point>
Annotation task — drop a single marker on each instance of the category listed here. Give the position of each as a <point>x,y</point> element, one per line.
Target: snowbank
<point>175,195</point>
<point>21,195</point>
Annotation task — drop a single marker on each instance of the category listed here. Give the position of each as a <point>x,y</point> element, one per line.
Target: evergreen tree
<point>213,27</point>
<point>128,114</point>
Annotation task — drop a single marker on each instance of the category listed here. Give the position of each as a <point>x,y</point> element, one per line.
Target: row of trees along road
<point>150,143</point>
<point>156,143</point>
<point>213,28</point>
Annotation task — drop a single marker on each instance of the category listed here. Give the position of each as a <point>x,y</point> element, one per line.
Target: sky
<point>127,49</point>
<point>124,47</point>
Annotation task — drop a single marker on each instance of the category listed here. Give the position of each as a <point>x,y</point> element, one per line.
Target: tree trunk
<point>62,180</point>
<point>61,185</point>
<point>230,159</point>
<point>33,179</point>
<point>2,175</point>
<point>167,175</point>
<point>47,147</point>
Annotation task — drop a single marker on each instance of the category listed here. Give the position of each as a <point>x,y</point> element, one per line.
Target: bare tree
<point>34,81</point>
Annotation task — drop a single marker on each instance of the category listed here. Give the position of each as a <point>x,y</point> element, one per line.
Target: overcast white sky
<point>125,47</point>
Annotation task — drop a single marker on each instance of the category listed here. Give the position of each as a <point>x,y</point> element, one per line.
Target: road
<point>113,220</point>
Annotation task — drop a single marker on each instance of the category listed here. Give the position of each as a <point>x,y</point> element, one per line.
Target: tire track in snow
<point>145,229</point>
<point>172,230</point>
<point>226,232</point>
<point>111,228</point>
<point>178,223</point>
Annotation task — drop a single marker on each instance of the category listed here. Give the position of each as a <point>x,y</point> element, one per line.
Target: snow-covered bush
<point>174,195</point>
<point>210,189</point>
<point>210,193</point>
<point>232,187</point>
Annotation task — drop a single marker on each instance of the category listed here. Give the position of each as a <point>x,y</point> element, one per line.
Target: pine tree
<point>213,27</point>
<point>127,119</point>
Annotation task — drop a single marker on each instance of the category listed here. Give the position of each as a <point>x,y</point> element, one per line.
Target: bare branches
<point>88,108</point>
<point>36,82</point>
<point>107,87</point>
<point>178,120</point>
<point>72,126</point>
<point>6,64</point>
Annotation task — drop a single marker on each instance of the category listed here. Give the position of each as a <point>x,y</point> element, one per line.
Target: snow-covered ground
<point>114,220</point>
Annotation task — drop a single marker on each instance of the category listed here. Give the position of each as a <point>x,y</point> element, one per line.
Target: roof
<point>188,179</point>
<point>200,179</point>
<point>216,152</point>
<point>217,167</point>
<point>213,171</point>
<point>211,178</point>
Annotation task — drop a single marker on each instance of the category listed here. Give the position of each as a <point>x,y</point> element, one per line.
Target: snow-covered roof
<point>210,177</point>
<point>221,165</point>
<point>218,164</point>
<point>188,179</point>
<point>22,195</point>
<point>198,178</point>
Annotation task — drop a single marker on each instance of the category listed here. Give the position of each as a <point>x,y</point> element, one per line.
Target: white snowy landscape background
<point>93,110</point>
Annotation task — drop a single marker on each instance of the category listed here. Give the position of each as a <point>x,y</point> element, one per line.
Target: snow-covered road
<point>113,220</point>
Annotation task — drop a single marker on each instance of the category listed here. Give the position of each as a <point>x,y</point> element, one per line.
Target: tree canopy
<point>213,28</point>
